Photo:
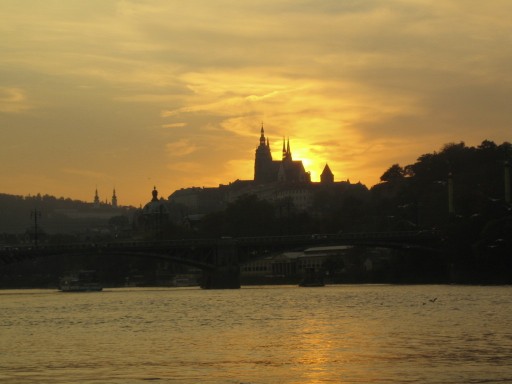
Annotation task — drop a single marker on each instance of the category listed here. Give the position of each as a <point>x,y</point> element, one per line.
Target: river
<point>264,334</point>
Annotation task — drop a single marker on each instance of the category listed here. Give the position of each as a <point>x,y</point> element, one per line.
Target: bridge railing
<point>239,240</point>
<point>313,239</point>
<point>426,234</point>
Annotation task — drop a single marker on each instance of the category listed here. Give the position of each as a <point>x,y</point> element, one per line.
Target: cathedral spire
<point>287,154</point>
<point>262,137</point>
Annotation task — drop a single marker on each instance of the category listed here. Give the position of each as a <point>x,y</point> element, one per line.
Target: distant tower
<point>96,199</point>
<point>114,199</point>
<point>263,160</point>
<point>327,177</point>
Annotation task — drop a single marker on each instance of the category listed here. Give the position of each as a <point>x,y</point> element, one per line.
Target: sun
<point>312,163</point>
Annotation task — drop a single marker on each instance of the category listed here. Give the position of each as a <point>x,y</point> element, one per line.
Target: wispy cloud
<point>181,148</point>
<point>174,125</point>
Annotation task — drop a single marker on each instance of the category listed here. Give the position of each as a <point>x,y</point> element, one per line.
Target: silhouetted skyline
<point>129,95</point>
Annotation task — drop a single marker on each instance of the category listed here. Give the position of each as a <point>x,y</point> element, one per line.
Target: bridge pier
<point>226,273</point>
<point>227,277</point>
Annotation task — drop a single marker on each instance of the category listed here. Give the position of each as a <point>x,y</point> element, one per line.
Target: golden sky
<point>133,94</point>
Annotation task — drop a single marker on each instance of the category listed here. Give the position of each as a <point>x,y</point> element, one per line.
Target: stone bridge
<point>220,259</point>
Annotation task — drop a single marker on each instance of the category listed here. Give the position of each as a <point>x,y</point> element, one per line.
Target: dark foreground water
<point>335,334</point>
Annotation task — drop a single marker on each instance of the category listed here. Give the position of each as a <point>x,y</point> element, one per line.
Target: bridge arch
<point>220,259</point>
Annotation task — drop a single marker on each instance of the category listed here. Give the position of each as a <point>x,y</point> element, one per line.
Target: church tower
<point>114,199</point>
<point>263,161</point>
<point>327,177</point>
<point>96,199</point>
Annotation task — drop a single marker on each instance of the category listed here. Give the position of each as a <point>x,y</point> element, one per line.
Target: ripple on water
<point>349,334</point>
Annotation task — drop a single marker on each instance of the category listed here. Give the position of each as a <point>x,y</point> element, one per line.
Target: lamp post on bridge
<point>35,214</point>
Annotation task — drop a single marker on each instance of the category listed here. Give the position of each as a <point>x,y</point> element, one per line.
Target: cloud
<point>13,100</point>
<point>181,148</point>
<point>174,125</point>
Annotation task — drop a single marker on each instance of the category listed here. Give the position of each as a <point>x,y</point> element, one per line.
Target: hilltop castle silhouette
<point>267,170</point>
<point>274,181</point>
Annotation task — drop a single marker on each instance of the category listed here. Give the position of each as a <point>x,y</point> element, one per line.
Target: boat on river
<point>80,281</point>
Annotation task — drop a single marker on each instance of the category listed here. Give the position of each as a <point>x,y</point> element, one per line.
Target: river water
<point>270,334</point>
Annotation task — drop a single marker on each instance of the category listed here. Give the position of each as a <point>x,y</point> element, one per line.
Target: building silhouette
<point>97,203</point>
<point>276,181</point>
<point>327,177</point>
<point>267,170</point>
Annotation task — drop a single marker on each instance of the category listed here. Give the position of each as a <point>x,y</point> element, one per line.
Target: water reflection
<point>342,334</point>
<point>317,350</point>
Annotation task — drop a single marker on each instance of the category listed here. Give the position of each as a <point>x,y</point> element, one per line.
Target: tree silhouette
<point>395,172</point>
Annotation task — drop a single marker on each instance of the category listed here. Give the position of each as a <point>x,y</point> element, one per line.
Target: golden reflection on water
<point>328,357</point>
<point>317,351</point>
<point>344,334</point>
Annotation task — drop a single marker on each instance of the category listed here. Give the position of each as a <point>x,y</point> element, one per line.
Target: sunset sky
<point>134,94</point>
